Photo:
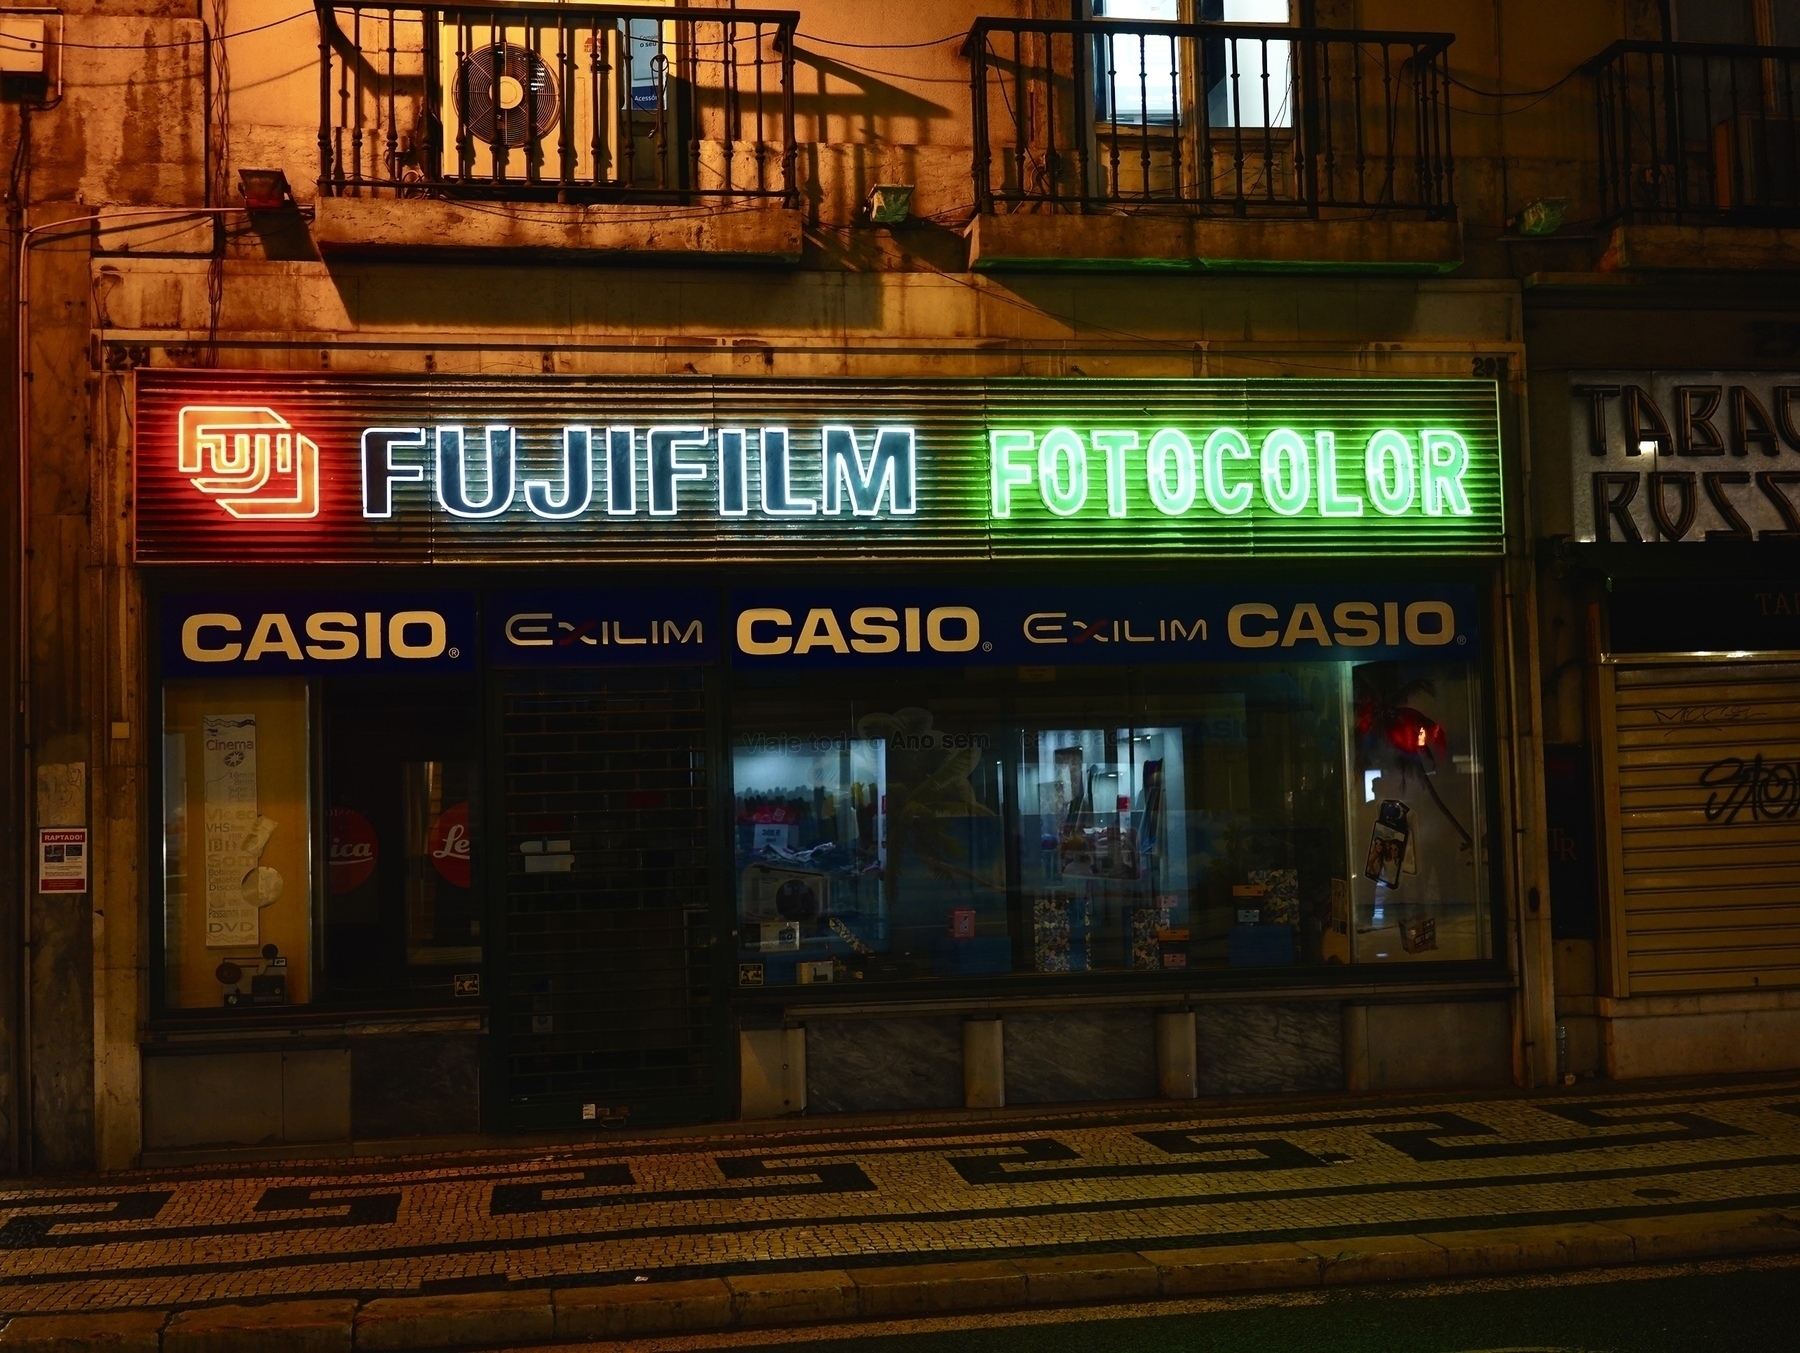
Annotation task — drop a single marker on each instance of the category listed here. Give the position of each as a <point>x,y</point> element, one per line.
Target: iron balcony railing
<point>588,103</point>
<point>1692,133</point>
<point>1213,118</point>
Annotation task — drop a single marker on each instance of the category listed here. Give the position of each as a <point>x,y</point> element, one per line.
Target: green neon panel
<point>1436,490</point>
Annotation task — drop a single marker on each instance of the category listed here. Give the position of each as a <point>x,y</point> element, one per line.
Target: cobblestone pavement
<point>808,1195</point>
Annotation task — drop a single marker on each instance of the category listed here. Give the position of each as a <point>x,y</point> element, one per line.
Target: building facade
<point>600,566</point>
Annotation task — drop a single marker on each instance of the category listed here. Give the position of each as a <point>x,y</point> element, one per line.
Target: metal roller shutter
<point>608,995</point>
<point>1706,827</point>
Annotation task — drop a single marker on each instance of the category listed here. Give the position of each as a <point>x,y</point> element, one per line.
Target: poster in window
<point>235,832</point>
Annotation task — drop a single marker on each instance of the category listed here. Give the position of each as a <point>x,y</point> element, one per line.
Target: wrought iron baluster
<point>1052,165</point>
<point>1234,67</point>
<point>1203,74</point>
<point>1176,149</point>
<point>534,46</point>
<point>762,142</point>
<point>1447,152</point>
<point>1082,110</point>
<point>628,99</point>
<point>1113,191</point>
<point>1143,118</point>
<point>565,105</point>
<point>1327,148</point>
<point>731,110</point>
<point>601,164</point>
<point>790,187</point>
<point>1387,116</point>
<point>659,84</point>
<point>393,84</point>
<point>1268,131</point>
<point>687,52</point>
<point>982,168</point>
<point>1356,106</point>
<point>330,161</point>
<point>1021,115</point>
<point>354,94</point>
<point>499,149</point>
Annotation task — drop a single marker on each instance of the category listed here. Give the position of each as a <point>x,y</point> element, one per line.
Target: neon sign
<point>877,481</point>
<point>249,466</point>
<point>1398,473</point>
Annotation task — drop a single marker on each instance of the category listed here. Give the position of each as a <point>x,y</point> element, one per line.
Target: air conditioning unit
<point>512,93</point>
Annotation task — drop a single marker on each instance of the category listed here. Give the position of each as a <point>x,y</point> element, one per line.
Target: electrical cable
<point>184,42</point>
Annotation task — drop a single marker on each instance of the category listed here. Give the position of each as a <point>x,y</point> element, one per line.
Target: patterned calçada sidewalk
<point>812,1195</point>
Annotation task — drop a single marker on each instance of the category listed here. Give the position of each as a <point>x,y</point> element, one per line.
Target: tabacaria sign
<point>342,469</point>
<point>1669,456</point>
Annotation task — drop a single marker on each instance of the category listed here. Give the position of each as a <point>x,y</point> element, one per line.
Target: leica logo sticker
<point>251,461</point>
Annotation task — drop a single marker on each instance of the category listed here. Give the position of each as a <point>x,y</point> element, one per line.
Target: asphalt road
<point>1751,1309</point>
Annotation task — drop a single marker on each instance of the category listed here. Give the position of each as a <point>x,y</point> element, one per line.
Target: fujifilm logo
<point>479,474</point>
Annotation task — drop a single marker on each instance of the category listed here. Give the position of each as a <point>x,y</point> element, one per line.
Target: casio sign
<point>770,631</point>
<point>322,636</point>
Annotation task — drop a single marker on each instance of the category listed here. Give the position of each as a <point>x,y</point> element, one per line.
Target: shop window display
<point>870,843</point>
<point>402,907</point>
<point>319,841</point>
<point>1155,820</point>
<point>238,837</point>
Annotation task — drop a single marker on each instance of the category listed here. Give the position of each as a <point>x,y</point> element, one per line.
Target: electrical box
<point>21,45</point>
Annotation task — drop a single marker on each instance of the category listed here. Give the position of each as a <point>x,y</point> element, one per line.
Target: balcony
<point>1699,154</point>
<point>607,131</point>
<point>1131,143</point>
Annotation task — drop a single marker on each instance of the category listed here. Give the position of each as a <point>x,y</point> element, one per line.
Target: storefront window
<point>1421,892</point>
<point>870,841</point>
<point>1240,816</point>
<point>238,843</point>
<point>319,841</point>
<point>403,909</point>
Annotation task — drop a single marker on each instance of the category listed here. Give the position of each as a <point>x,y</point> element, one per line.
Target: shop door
<point>607,1009</point>
<point>1704,826</point>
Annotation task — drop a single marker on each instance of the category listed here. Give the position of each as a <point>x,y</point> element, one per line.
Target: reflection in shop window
<point>403,911</point>
<point>1235,817</point>
<point>874,852</point>
<point>1422,890</point>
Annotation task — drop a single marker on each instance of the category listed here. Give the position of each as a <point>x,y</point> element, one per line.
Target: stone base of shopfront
<point>1724,1034</point>
<point>378,1082</point>
<point>879,1059</point>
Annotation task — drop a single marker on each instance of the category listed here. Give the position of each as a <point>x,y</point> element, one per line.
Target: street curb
<point>745,1301</point>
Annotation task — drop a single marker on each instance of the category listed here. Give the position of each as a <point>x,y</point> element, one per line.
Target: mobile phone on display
<point>1387,843</point>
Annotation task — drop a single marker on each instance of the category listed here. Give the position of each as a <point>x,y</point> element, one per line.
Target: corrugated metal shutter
<point>1706,844</point>
<point>608,993</point>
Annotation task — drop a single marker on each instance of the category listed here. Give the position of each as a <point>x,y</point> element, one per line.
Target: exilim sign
<point>249,466</point>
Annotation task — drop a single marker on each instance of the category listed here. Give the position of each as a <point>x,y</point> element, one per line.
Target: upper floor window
<point>1148,80</point>
<point>1760,23</point>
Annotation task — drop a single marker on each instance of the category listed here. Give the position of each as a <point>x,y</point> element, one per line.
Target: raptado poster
<point>235,835</point>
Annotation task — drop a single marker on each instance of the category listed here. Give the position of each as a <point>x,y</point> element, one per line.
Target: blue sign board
<point>277,633</point>
<point>600,627</point>
<point>1090,626</point>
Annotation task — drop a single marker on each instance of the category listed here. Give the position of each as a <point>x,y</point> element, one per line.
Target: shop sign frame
<point>236,466</point>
